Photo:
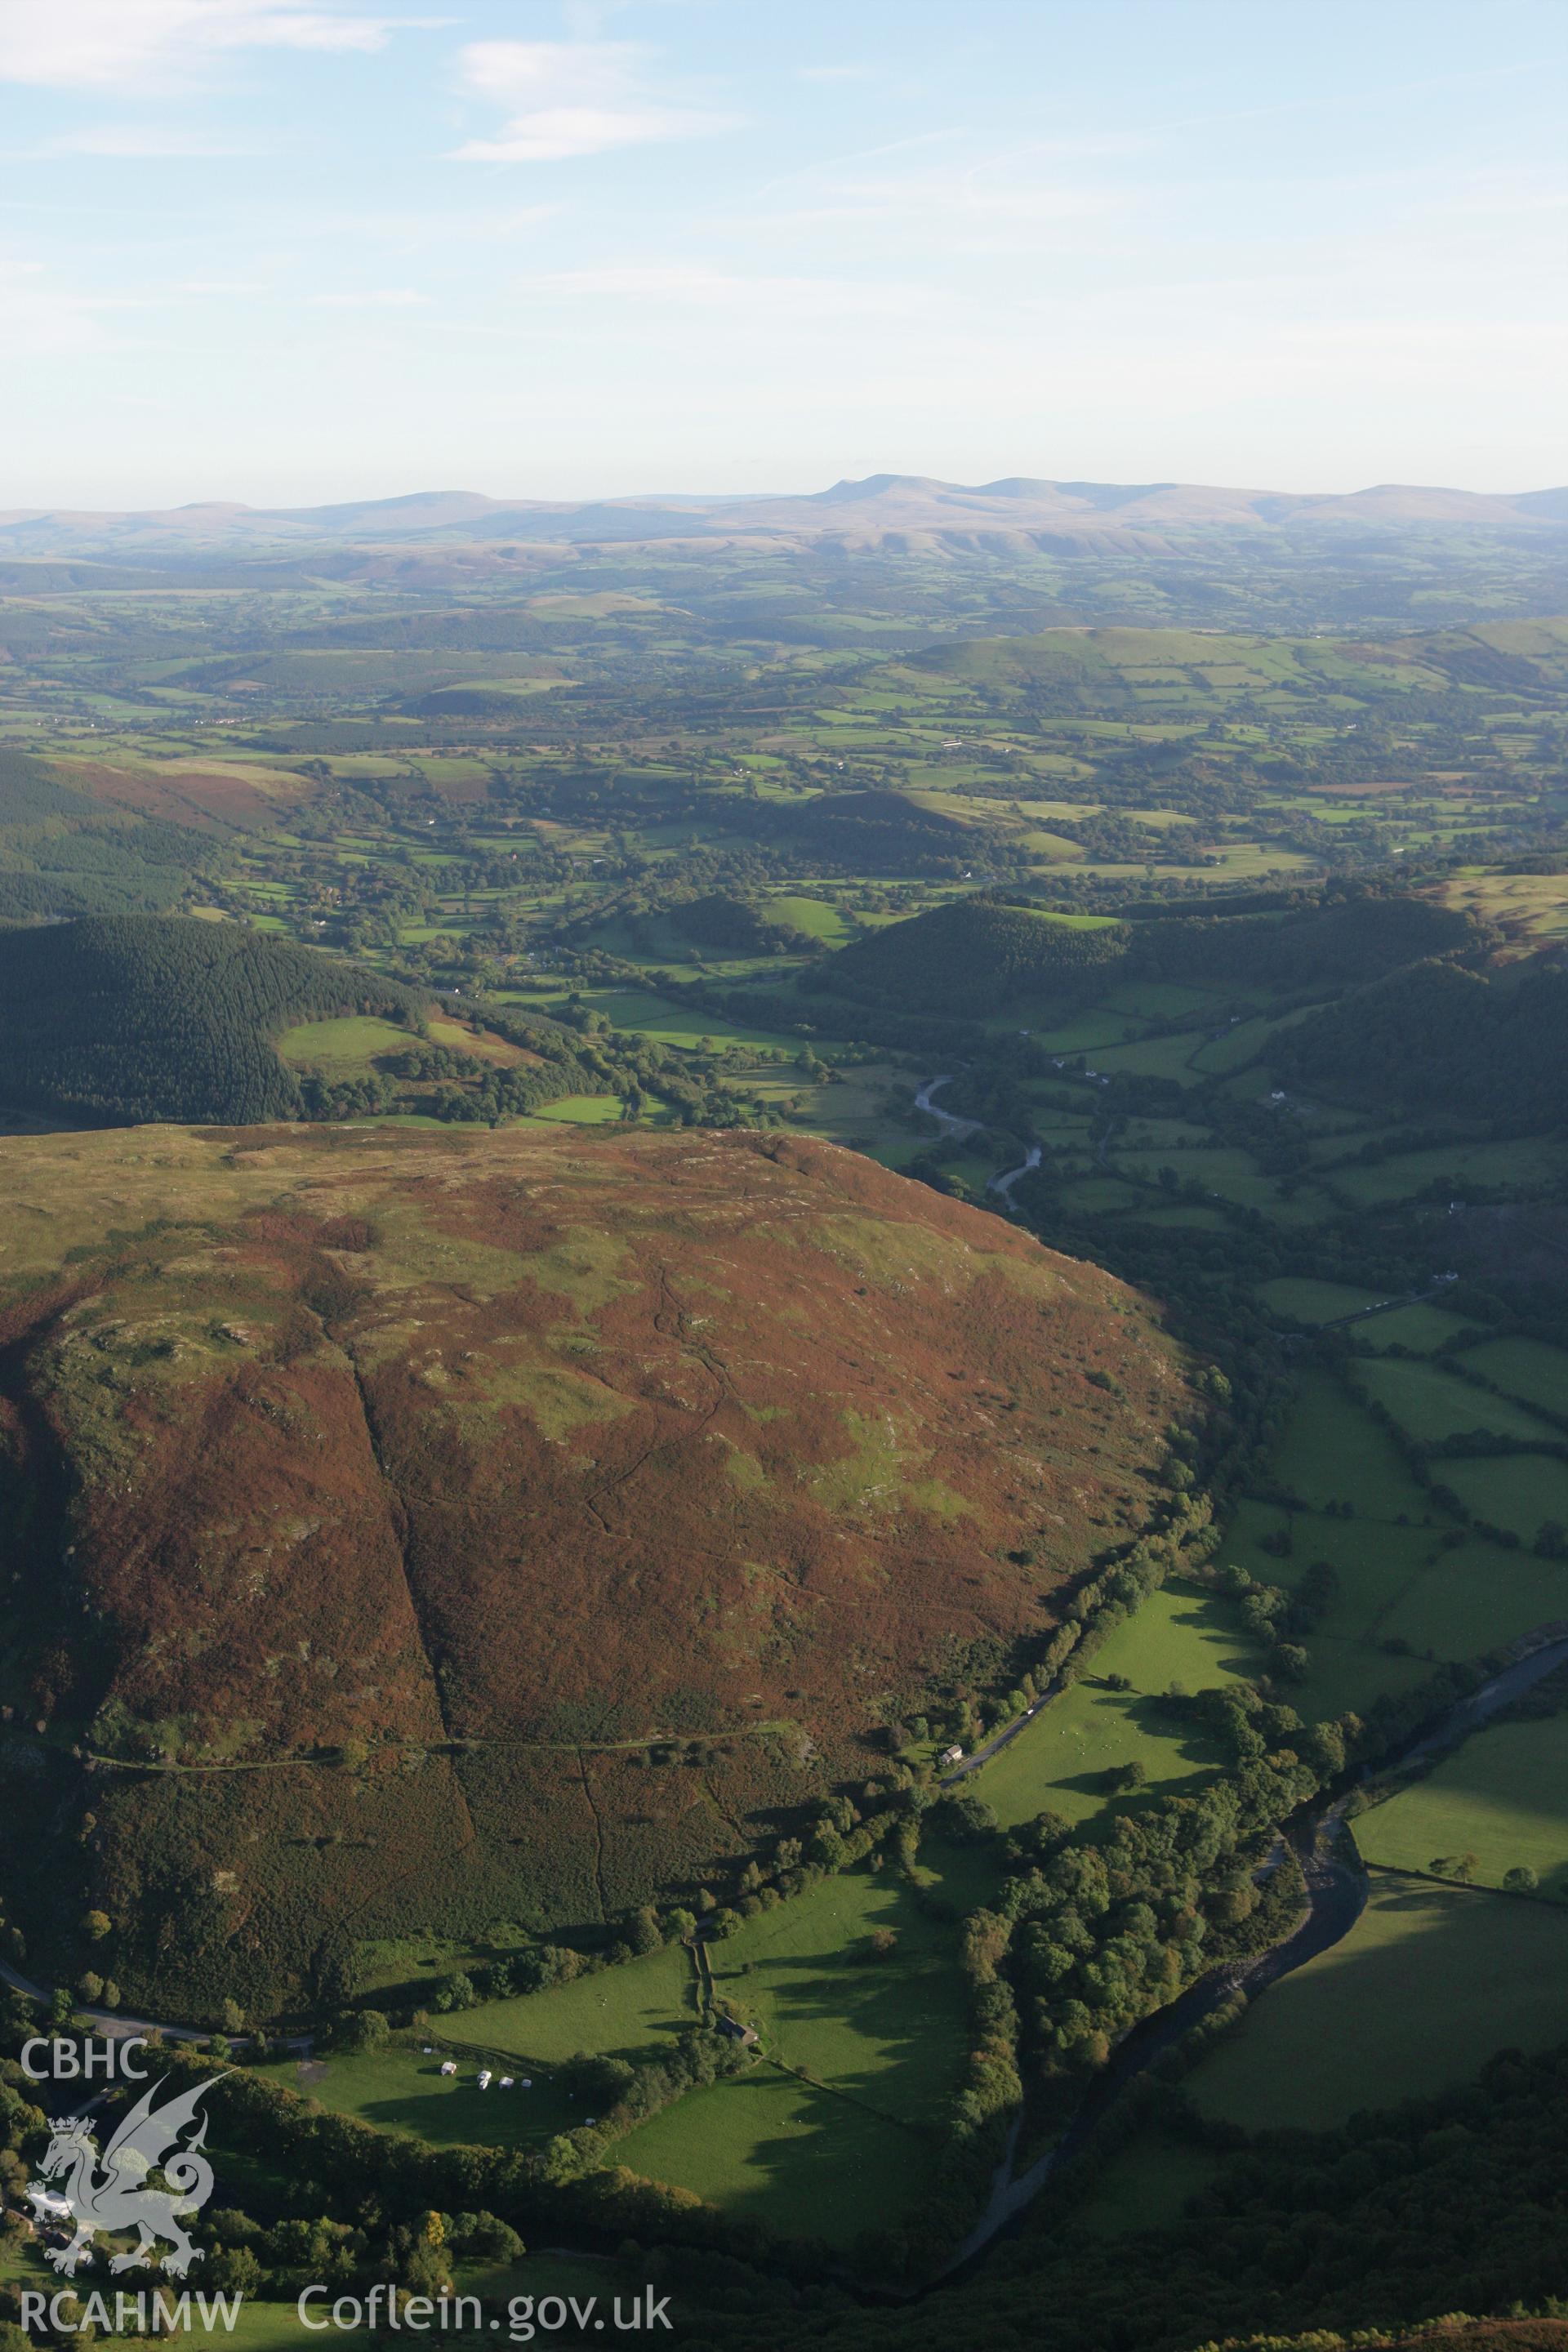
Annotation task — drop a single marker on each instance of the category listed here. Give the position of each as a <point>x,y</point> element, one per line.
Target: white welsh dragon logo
<point>118,2197</point>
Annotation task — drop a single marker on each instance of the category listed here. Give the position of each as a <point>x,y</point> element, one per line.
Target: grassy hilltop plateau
<point>784,1361</point>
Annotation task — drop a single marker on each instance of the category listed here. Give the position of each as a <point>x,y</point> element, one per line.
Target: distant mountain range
<point>890,511</point>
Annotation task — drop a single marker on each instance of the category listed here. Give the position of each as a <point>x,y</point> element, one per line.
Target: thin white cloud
<point>151,143</point>
<point>561,99</point>
<point>391,298</point>
<point>444,231</point>
<point>107,44</point>
<point>696,285</point>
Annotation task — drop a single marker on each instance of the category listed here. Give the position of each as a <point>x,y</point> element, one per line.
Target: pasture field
<point>890,2032</point>
<point>1058,1761</point>
<point>400,2089</point>
<point>1155,1057</point>
<point>1507,1168</point>
<point>484,1046</point>
<point>618,2012</point>
<point>808,2162</point>
<point>1102,1195</point>
<point>1087,1033</point>
<point>1500,1798</point>
<point>1229,1174</point>
<point>1243,1043</point>
<point>1431,1405</point>
<point>1332,1453</point>
<point>1429,1984</point>
<point>817,918</point>
<point>1191,1215</point>
<point>578,1111</point>
<point>1166,999</point>
<point>343,1048</point>
<point>1522,1492</point>
<point>1376,1566</point>
<point>675,1025</point>
<point>1419,1327</point>
<point>1531,1370</point>
<point>1477,1599</point>
<point>1415,1588</point>
<point>1302,1299</point>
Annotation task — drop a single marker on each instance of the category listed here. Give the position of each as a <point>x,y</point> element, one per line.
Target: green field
<point>1478,1599</point>
<point>1415,1588</point>
<point>579,1110</point>
<point>1528,1369</point>
<point>1454,1167</point>
<point>1521,1491</point>
<point>1428,1985</point>
<point>1332,1453</point>
<point>1305,1301</point>
<point>621,2012</point>
<point>890,2032</point>
<point>808,2162</point>
<point>400,2089</point>
<point>816,917</point>
<point>1431,1404</point>
<point>1421,1327</point>
<point>1501,1798</point>
<point>1057,1759</point>
<point>342,1049</point>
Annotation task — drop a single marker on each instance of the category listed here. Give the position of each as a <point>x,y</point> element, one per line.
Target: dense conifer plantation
<point>118,1019</point>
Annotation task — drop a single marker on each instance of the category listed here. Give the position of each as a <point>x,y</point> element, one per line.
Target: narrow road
<point>118,2027</point>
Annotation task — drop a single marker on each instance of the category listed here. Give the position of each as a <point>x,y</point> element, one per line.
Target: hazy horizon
<point>282,254</point>
<point>666,496</point>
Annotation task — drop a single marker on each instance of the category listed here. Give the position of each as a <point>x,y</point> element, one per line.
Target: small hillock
<point>734,927</point>
<point>973,956</point>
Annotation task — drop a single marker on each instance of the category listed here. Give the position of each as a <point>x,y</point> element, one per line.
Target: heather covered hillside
<point>426,1532</point>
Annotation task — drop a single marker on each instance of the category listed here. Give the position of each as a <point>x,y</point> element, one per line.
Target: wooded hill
<point>63,853</point>
<point>1438,1036</point>
<point>118,1019</point>
<point>979,956</point>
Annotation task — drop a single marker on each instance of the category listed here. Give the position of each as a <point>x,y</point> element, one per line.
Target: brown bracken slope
<point>381,1496</point>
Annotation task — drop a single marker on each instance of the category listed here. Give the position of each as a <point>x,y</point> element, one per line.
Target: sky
<point>288,251</point>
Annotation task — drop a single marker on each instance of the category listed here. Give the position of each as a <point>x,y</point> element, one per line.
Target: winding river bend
<point>961,1128</point>
<point>1336,1894</point>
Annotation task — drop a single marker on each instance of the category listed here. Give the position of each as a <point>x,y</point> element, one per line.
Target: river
<point>960,1129</point>
<point>1336,1896</point>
